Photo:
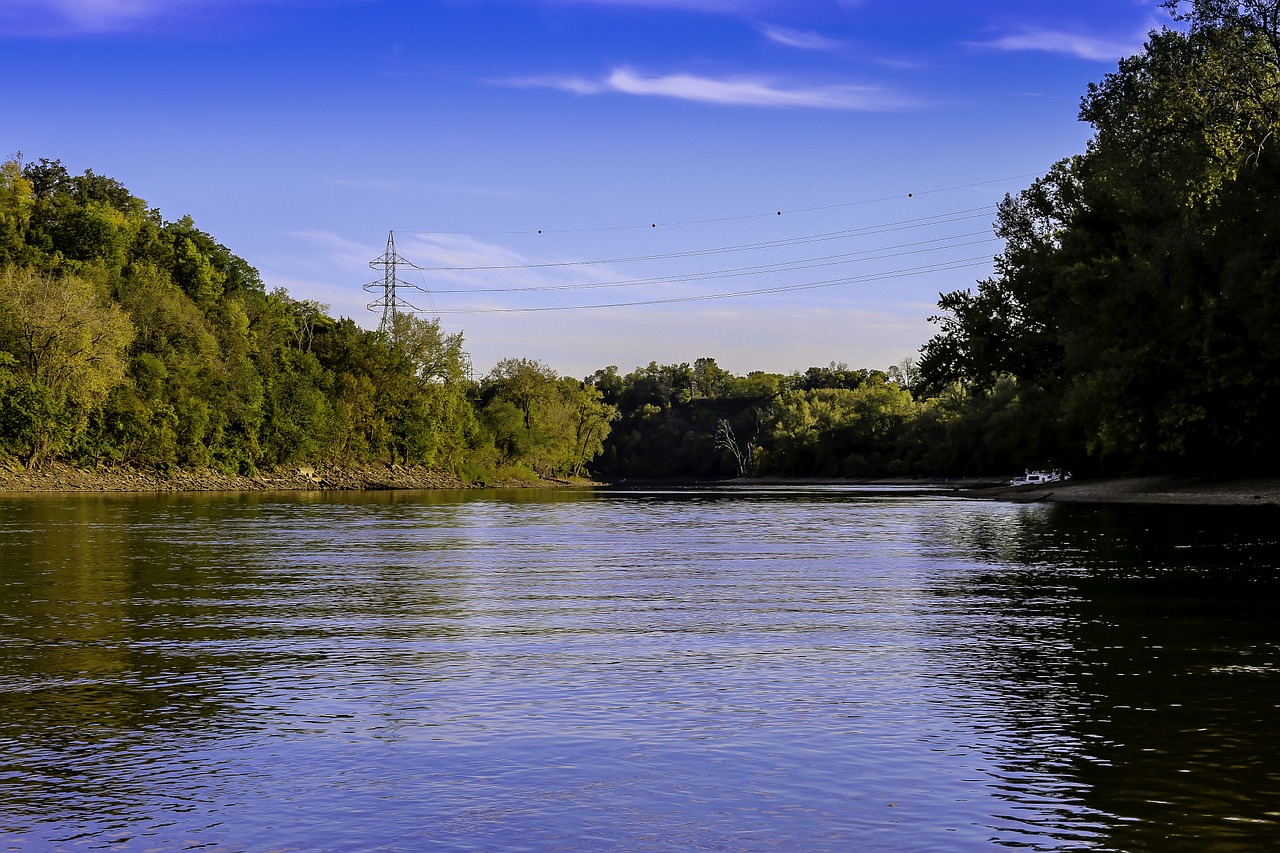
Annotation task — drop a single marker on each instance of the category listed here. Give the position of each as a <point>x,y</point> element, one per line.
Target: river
<point>750,669</point>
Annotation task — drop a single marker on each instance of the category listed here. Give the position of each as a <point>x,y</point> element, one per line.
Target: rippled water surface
<point>772,669</point>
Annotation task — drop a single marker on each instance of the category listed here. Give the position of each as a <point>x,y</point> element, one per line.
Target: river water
<point>783,669</point>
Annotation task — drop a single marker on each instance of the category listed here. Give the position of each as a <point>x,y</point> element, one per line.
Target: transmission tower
<point>390,303</point>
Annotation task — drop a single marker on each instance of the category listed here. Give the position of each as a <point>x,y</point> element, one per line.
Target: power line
<point>390,301</point>
<point>900,225</point>
<point>762,269</point>
<point>945,266</point>
<point>771,214</point>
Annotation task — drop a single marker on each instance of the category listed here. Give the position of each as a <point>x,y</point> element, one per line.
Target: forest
<point>1132,324</point>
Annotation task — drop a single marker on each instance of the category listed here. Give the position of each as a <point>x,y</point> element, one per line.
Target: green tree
<point>434,423</point>
<point>68,350</point>
<point>590,418</point>
<point>552,424</point>
<point>17,200</point>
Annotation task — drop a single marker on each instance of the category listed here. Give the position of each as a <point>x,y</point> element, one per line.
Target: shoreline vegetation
<point>57,477</point>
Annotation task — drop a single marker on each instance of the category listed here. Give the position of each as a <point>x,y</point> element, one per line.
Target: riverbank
<point>57,477</point>
<point>1166,489</point>
<point>1139,490</point>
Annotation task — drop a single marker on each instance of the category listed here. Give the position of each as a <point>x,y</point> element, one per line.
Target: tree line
<point>1135,311</point>
<point>1132,323</point>
<point>129,340</point>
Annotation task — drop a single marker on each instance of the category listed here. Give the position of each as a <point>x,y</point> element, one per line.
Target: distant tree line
<point>699,421</point>
<point>1132,323</point>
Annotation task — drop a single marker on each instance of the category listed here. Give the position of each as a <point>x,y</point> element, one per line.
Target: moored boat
<point>1037,478</point>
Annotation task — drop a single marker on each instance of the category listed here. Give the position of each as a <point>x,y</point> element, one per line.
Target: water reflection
<point>101,663</point>
<point>779,669</point>
<point>1148,673</point>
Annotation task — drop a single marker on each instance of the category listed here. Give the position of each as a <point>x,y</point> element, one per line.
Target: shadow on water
<point>1141,661</point>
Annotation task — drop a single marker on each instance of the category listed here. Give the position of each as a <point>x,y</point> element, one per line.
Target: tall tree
<point>1138,286</point>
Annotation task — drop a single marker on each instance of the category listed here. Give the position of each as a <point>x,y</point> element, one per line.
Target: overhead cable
<point>773,213</point>
<point>945,266</point>
<point>865,255</point>
<point>884,228</point>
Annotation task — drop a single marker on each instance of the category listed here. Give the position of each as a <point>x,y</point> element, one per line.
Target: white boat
<point>1038,478</point>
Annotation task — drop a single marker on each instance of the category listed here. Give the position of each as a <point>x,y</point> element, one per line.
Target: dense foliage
<point>1135,307</point>
<point>699,421</point>
<point>126,339</point>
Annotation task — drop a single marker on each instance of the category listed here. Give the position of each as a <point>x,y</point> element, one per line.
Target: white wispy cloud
<point>62,18</point>
<point>729,7</point>
<point>335,249</point>
<point>799,39</point>
<point>428,249</point>
<point>1080,45</point>
<point>731,91</point>
<point>458,250</point>
<point>68,17</point>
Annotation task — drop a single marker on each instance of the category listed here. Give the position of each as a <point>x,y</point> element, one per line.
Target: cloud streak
<point>63,18</point>
<point>742,91</point>
<point>71,17</point>
<point>723,7</point>
<point>1079,45</point>
<point>799,39</point>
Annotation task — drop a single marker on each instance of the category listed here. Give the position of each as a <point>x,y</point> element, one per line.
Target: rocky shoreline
<point>58,477</point>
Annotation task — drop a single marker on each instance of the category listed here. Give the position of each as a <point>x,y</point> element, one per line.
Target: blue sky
<point>774,184</point>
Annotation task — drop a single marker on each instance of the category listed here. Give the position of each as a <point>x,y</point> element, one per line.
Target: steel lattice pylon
<point>391,303</point>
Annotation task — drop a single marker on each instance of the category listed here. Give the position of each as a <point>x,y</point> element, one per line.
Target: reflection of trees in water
<point>1140,659</point>
<point>91,680</point>
<point>145,640</point>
